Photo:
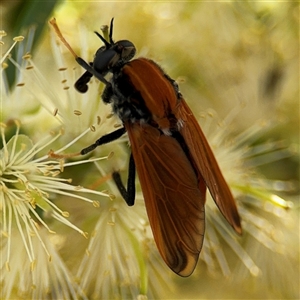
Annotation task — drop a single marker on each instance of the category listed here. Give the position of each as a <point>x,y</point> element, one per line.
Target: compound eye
<point>127,49</point>
<point>105,60</point>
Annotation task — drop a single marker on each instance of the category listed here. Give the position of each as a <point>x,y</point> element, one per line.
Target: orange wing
<point>207,165</point>
<point>174,202</point>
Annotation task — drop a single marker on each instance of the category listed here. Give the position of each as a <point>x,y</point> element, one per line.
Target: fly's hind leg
<point>129,194</point>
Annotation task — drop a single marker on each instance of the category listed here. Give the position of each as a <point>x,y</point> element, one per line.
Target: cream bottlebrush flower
<point>28,184</point>
<point>266,218</point>
<point>43,279</point>
<point>19,102</point>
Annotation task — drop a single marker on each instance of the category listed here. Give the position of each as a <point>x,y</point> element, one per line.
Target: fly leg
<point>129,194</point>
<point>104,140</point>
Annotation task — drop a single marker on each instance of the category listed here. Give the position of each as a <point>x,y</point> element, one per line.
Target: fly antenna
<point>106,36</point>
<point>111,31</point>
<point>106,43</point>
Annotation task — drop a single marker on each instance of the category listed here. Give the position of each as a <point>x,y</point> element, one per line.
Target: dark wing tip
<point>236,224</point>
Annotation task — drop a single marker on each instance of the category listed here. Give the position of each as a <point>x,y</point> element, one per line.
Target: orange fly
<point>173,159</point>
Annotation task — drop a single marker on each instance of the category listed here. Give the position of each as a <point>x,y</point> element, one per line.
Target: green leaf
<point>28,15</point>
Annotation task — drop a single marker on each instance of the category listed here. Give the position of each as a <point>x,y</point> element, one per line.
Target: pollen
<point>77,112</point>
<point>27,56</point>
<point>65,214</point>
<point>96,204</point>
<point>7,266</point>
<point>111,197</point>
<point>109,115</point>
<point>110,155</point>
<point>55,111</point>
<point>18,38</point>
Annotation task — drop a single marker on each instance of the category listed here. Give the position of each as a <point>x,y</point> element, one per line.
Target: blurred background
<point>237,61</point>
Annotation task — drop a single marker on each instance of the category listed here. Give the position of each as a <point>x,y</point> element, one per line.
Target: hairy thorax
<point>136,97</point>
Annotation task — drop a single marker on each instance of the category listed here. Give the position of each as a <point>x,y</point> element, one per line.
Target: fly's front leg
<point>91,70</point>
<point>81,83</point>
